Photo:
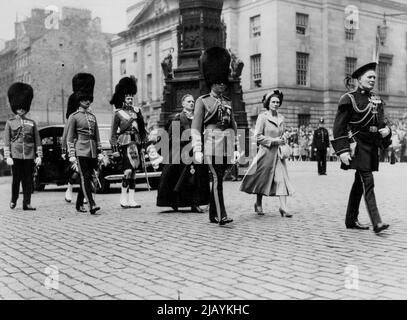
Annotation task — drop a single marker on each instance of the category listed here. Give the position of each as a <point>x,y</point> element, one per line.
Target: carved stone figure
<point>166,65</point>
<point>236,64</point>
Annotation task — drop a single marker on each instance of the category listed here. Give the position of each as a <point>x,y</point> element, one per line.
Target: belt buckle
<point>372,129</point>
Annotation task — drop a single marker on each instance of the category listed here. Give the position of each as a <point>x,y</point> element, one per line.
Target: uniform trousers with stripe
<point>23,170</point>
<point>321,160</point>
<point>362,186</point>
<point>217,204</point>
<point>86,166</point>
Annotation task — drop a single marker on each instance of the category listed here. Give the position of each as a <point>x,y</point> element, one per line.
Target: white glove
<point>198,156</point>
<point>63,156</point>
<point>345,157</point>
<point>384,132</point>
<point>116,154</point>
<point>100,156</point>
<point>38,161</point>
<point>236,157</point>
<point>72,159</point>
<point>10,161</point>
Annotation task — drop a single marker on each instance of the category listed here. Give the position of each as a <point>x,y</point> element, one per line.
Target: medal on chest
<point>224,114</point>
<point>374,102</point>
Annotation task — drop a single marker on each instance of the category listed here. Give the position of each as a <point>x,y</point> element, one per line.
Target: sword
<point>143,160</point>
<point>97,178</point>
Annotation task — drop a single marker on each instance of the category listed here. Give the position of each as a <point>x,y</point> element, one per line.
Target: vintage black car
<point>53,169</point>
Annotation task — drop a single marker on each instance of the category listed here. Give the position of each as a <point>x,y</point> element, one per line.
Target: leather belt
<point>369,129</point>
<point>85,138</point>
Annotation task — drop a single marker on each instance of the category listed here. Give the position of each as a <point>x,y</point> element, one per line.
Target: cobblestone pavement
<point>150,253</point>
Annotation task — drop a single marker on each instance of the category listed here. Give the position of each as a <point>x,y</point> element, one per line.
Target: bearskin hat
<point>215,63</point>
<point>83,85</point>
<point>126,86</point>
<point>20,96</point>
<point>73,105</point>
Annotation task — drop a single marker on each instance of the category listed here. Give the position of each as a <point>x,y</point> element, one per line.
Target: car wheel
<point>154,183</point>
<point>37,185</point>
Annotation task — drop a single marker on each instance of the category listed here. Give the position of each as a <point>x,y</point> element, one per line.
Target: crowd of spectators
<point>300,142</point>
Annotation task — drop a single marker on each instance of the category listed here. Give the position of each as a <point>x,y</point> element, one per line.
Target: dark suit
<point>321,143</point>
<point>362,113</point>
<point>215,117</point>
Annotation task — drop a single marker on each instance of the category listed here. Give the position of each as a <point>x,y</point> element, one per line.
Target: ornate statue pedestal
<point>200,28</point>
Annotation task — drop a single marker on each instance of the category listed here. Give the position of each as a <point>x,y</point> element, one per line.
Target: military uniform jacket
<point>320,140</point>
<point>125,125</point>
<point>21,139</point>
<point>215,124</point>
<point>83,135</point>
<point>360,114</point>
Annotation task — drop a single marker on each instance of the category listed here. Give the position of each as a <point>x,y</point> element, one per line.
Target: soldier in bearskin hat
<point>22,143</point>
<point>214,115</point>
<point>83,139</point>
<point>128,142</point>
<point>72,170</point>
<point>359,130</point>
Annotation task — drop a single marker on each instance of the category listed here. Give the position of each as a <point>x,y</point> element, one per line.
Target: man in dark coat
<point>183,185</point>
<point>320,143</point>
<point>214,115</point>
<point>359,130</point>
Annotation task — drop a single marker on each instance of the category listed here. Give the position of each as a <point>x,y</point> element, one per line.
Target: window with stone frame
<point>302,68</point>
<point>255,62</point>
<point>350,65</point>
<point>350,34</point>
<point>123,66</point>
<point>301,23</point>
<point>304,119</point>
<point>385,61</point>
<point>255,27</point>
<point>149,87</point>
<point>135,56</point>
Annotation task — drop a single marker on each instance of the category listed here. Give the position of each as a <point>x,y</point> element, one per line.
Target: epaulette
<point>205,96</point>
<point>77,111</point>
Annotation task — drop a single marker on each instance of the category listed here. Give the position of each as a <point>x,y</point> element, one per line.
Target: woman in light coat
<point>267,175</point>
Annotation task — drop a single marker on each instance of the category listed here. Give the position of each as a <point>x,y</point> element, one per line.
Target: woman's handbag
<point>284,151</point>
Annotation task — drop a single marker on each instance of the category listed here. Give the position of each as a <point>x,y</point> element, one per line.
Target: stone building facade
<point>138,51</point>
<point>48,56</point>
<point>301,47</point>
<point>305,50</point>
<point>7,67</point>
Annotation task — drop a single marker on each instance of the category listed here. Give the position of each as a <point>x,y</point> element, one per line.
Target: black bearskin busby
<point>72,106</point>
<point>215,64</point>
<point>83,85</point>
<point>20,96</point>
<point>126,86</point>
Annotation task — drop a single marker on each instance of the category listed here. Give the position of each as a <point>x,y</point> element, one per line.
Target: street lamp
<point>382,30</point>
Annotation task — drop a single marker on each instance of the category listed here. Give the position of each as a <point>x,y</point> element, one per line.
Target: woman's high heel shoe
<point>258,210</point>
<point>285,213</point>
